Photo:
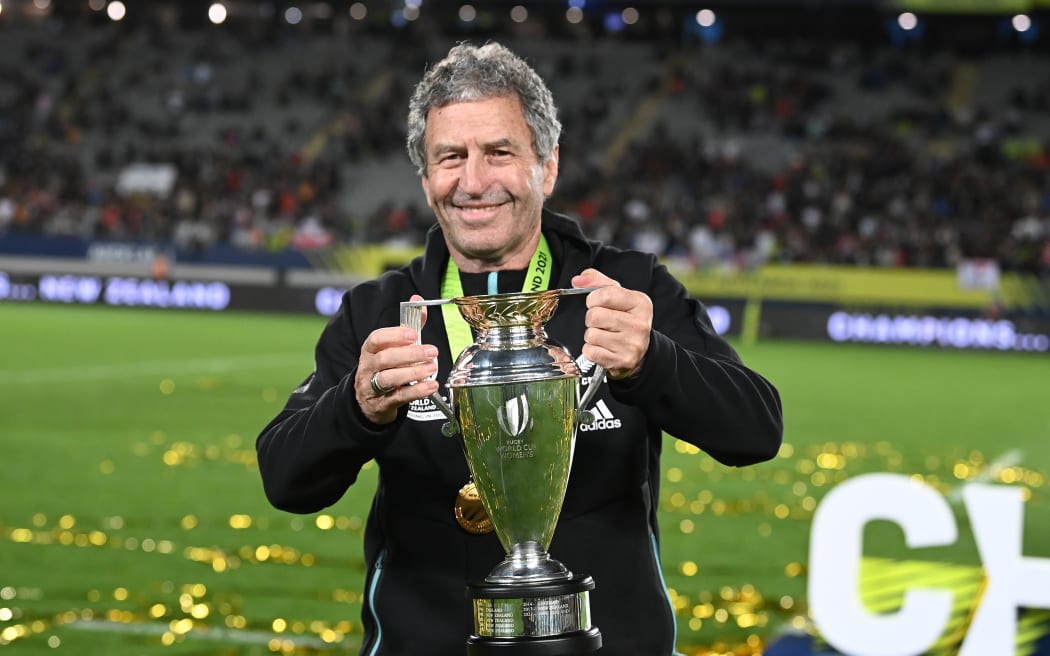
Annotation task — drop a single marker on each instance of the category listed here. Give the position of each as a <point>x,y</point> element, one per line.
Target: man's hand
<point>619,322</point>
<point>391,361</point>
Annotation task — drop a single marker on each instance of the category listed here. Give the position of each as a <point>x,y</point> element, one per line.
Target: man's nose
<point>474,179</point>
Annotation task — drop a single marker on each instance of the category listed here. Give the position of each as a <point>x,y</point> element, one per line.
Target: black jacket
<point>692,386</point>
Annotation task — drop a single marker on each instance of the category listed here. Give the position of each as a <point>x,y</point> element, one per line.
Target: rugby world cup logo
<point>513,416</point>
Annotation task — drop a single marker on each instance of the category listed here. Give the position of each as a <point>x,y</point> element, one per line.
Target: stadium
<point>858,191</point>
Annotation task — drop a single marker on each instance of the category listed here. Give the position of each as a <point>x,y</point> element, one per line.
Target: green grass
<point>129,492</point>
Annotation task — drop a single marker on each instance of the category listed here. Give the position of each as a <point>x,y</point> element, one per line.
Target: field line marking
<point>98,372</point>
<point>995,467</point>
<point>205,633</point>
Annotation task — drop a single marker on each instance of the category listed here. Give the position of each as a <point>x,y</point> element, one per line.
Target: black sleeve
<point>694,386</point>
<point>312,451</point>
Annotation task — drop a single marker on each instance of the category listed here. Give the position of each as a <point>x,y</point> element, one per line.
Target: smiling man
<point>483,133</point>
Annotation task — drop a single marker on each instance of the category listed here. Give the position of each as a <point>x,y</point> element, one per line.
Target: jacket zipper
<point>372,589</point>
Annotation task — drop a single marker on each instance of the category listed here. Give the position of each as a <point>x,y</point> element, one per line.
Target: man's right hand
<point>391,360</point>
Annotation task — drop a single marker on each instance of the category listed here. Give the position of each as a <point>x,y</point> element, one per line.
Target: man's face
<point>485,183</point>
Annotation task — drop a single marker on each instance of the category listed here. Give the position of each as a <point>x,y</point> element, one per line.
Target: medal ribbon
<point>537,277</point>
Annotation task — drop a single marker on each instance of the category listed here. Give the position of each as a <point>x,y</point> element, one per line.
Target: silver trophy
<point>514,396</point>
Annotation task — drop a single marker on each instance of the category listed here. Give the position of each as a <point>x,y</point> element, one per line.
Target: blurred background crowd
<point>717,148</point>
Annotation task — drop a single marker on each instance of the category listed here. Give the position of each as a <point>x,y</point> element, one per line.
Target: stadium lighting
<point>1,8</point>
<point>96,5</point>
<point>908,21</point>
<point>42,5</point>
<point>410,12</point>
<point>1021,22</point>
<point>293,15</point>
<point>630,16</point>
<point>706,18</point>
<point>358,11</point>
<point>519,14</point>
<point>217,13</point>
<point>574,15</point>
<point>414,3</point>
<point>116,10</point>
<point>467,13</point>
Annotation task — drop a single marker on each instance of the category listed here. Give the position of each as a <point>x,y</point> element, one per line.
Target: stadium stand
<point>267,144</point>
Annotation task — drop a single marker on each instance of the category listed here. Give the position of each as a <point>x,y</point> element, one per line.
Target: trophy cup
<point>514,396</point>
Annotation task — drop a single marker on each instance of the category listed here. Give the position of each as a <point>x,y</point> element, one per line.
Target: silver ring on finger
<point>377,388</point>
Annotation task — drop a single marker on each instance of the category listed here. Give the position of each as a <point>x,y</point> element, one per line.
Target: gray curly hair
<point>474,73</point>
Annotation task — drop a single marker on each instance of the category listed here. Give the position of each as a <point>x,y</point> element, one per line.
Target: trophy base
<point>577,642</point>
<point>533,619</point>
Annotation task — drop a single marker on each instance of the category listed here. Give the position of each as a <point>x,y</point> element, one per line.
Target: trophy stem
<point>528,562</point>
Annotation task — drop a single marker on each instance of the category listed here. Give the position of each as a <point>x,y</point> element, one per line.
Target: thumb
<point>417,297</point>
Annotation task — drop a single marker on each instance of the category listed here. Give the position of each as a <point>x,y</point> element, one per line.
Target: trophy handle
<point>583,415</point>
<point>450,427</point>
<point>412,316</point>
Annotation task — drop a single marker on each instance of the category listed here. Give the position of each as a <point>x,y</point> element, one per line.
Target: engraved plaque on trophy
<point>514,396</point>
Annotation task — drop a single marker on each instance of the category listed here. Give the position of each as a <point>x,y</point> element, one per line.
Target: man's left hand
<point>619,323</point>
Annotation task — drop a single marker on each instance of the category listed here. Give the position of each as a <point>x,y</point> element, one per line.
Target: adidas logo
<point>604,418</point>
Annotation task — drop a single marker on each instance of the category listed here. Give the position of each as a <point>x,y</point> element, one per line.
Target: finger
<point>418,365</point>
<point>617,299</point>
<point>605,319</point>
<point>408,393</point>
<point>383,409</point>
<point>592,278</point>
<point>599,354</point>
<point>617,337</point>
<point>382,339</point>
<point>396,377</point>
<point>402,356</point>
<point>615,362</point>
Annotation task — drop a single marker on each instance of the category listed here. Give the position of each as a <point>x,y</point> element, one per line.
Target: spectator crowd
<point>750,153</point>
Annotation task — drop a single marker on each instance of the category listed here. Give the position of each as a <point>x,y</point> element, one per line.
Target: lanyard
<point>538,277</point>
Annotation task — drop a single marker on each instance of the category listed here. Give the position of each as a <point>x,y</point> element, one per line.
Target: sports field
<point>132,519</point>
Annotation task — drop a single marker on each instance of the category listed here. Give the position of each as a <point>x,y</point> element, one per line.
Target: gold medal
<point>470,513</point>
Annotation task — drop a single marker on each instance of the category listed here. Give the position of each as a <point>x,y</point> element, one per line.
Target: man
<point>483,133</point>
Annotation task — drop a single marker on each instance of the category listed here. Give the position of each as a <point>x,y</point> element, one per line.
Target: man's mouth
<point>477,209</point>
<point>479,206</point>
<point>478,212</point>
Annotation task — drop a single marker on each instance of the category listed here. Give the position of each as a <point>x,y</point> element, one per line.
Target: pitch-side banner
<point>842,285</point>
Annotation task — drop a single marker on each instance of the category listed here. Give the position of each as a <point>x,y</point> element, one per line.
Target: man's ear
<point>550,172</point>
<point>423,180</point>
